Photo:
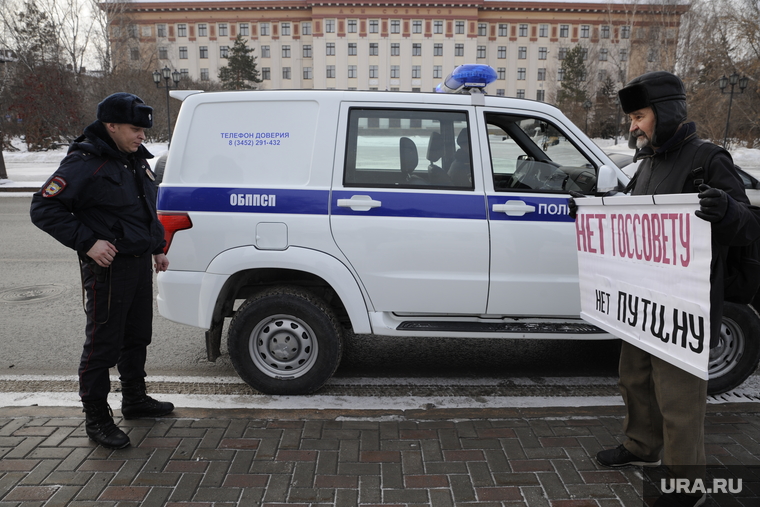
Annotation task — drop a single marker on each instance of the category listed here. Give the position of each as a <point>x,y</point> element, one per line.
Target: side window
<point>408,148</point>
<point>532,155</point>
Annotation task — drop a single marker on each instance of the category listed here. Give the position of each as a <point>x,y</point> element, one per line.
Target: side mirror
<point>606,180</point>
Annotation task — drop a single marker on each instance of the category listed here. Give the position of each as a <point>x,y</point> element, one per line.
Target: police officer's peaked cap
<point>665,94</point>
<point>125,108</point>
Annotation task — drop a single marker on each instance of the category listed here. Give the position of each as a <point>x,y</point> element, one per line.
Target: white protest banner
<point>644,268</point>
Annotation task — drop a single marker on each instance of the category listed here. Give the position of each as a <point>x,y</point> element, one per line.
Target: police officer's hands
<point>161,263</point>
<point>102,252</point>
<point>713,203</point>
<point>572,206</point>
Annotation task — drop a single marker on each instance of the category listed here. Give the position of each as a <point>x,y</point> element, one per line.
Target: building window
<point>330,71</point>
<point>416,49</point>
<point>395,49</point>
<point>286,51</point>
<point>307,72</point>
<point>204,74</point>
<point>183,52</point>
<point>352,71</point>
<point>625,32</point>
<point>482,29</point>
<point>437,49</point>
<point>521,74</point>
<point>543,30</point>
<point>182,30</point>
<point>542,52</point>
<point>540,95</point>
<point>502,73</point>
<point>522,52</point>
<point>134,54</point>
<point>501,52</point>
<point>437,71</point>
<point>459,27</point>
<point>223,30</point>
<point>266,73</point>
<point>330,49</point>
<point>652,56</point>
<point>417,26</point>
<point>163,53</point>
<point>203,52</point>
<point>560,74</point>
<point>416,71</point>
<point>351,26</point>
<point>185,73</point>
<point>265,53</point>
<point>458,49</point>
<point>564,30</point>
<point>523,29</point>
<point>306,30</point>
<point>602,75</point>
<point>286,73</point>
<point>224,51</point>
<point>481,52</point>
<point>503,30</point>
<point>437,26</point>
<point>395,71</point>
<point>603,54</point>
<point>500,92</point>
<point>520,94</point>
<point>329,26</point>
<point>604,32</point>
<point>395,26</point>
<point>264,29</point>
<point>306,50</point>
<point>585,31</point>
<point>373,51</point>
<point>352,49</point>
<point>161,30</point>
<point>584,54</point>
<point>541,76</point>
<point>623,55</point>
<point>243,29</point>
<point>284,30</point>
<point>373,25</point>
<point>373,71</point>
<point>562,54</point>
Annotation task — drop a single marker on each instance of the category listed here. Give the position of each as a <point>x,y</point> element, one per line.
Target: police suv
<point>307,216</point>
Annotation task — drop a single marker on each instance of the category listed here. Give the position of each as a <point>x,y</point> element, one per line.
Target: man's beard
<point>641,138</point>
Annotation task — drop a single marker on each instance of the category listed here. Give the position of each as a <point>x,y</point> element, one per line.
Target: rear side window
<point>402,148</point>
<point>252,143</point>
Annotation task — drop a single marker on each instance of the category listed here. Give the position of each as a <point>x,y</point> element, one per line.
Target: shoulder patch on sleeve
<point>55,187</point>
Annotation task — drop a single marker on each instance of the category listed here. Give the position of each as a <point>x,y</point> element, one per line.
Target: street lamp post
<point>587,106</point>
<point>722,83</point>
<point>175,76</point>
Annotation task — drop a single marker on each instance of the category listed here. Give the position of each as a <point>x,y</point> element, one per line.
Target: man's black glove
<point>713,203</point>
<point>572,207</point>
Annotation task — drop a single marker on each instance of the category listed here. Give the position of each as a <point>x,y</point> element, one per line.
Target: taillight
<point>172,223</point>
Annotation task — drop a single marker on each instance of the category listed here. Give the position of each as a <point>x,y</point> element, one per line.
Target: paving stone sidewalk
<point>437,457</point>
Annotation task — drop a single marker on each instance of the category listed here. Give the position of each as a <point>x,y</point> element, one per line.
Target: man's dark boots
<point>136,403</point>
<point>100,426</point>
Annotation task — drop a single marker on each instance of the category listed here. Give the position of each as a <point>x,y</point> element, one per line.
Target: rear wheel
<point>285,341</point>
<point>736,355</point>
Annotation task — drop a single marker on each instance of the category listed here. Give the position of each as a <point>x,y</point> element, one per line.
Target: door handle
<point>514,208</point>
<point>359,203</point>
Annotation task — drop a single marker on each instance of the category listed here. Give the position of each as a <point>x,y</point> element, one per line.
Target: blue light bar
<point>466,77</point>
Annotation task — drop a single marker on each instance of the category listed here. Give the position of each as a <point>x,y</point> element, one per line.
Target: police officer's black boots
<point>100,426</point>
<point>135,402</point>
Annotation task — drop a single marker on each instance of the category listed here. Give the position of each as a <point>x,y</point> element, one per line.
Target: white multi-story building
<point>400,45</point>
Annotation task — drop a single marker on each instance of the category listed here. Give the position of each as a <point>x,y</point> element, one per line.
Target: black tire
<point>737,353</point>
<point>158,170</point>
<point>285,340</point>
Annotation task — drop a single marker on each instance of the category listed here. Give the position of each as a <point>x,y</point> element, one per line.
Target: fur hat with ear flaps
<point>125,108</point>
<point>665,94</point>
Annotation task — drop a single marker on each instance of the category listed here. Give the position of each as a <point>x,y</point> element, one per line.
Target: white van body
<point>386,213</point>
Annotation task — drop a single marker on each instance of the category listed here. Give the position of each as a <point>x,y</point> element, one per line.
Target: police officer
<point>101,202</point>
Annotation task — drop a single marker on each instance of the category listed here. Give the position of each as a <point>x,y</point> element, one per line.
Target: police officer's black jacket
<point>99,192</point>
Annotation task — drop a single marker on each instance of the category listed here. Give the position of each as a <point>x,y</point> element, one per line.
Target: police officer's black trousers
<point>119,323</point>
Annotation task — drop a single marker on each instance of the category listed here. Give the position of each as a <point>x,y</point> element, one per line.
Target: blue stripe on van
<point>414,204</point>
<point>243,200</point>
<point>548,209</point>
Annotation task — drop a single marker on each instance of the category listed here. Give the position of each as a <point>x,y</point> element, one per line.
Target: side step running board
<point>500,327</point>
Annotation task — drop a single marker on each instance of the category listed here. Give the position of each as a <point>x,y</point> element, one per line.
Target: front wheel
<point>736,355</point>
<point>285,341</point>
